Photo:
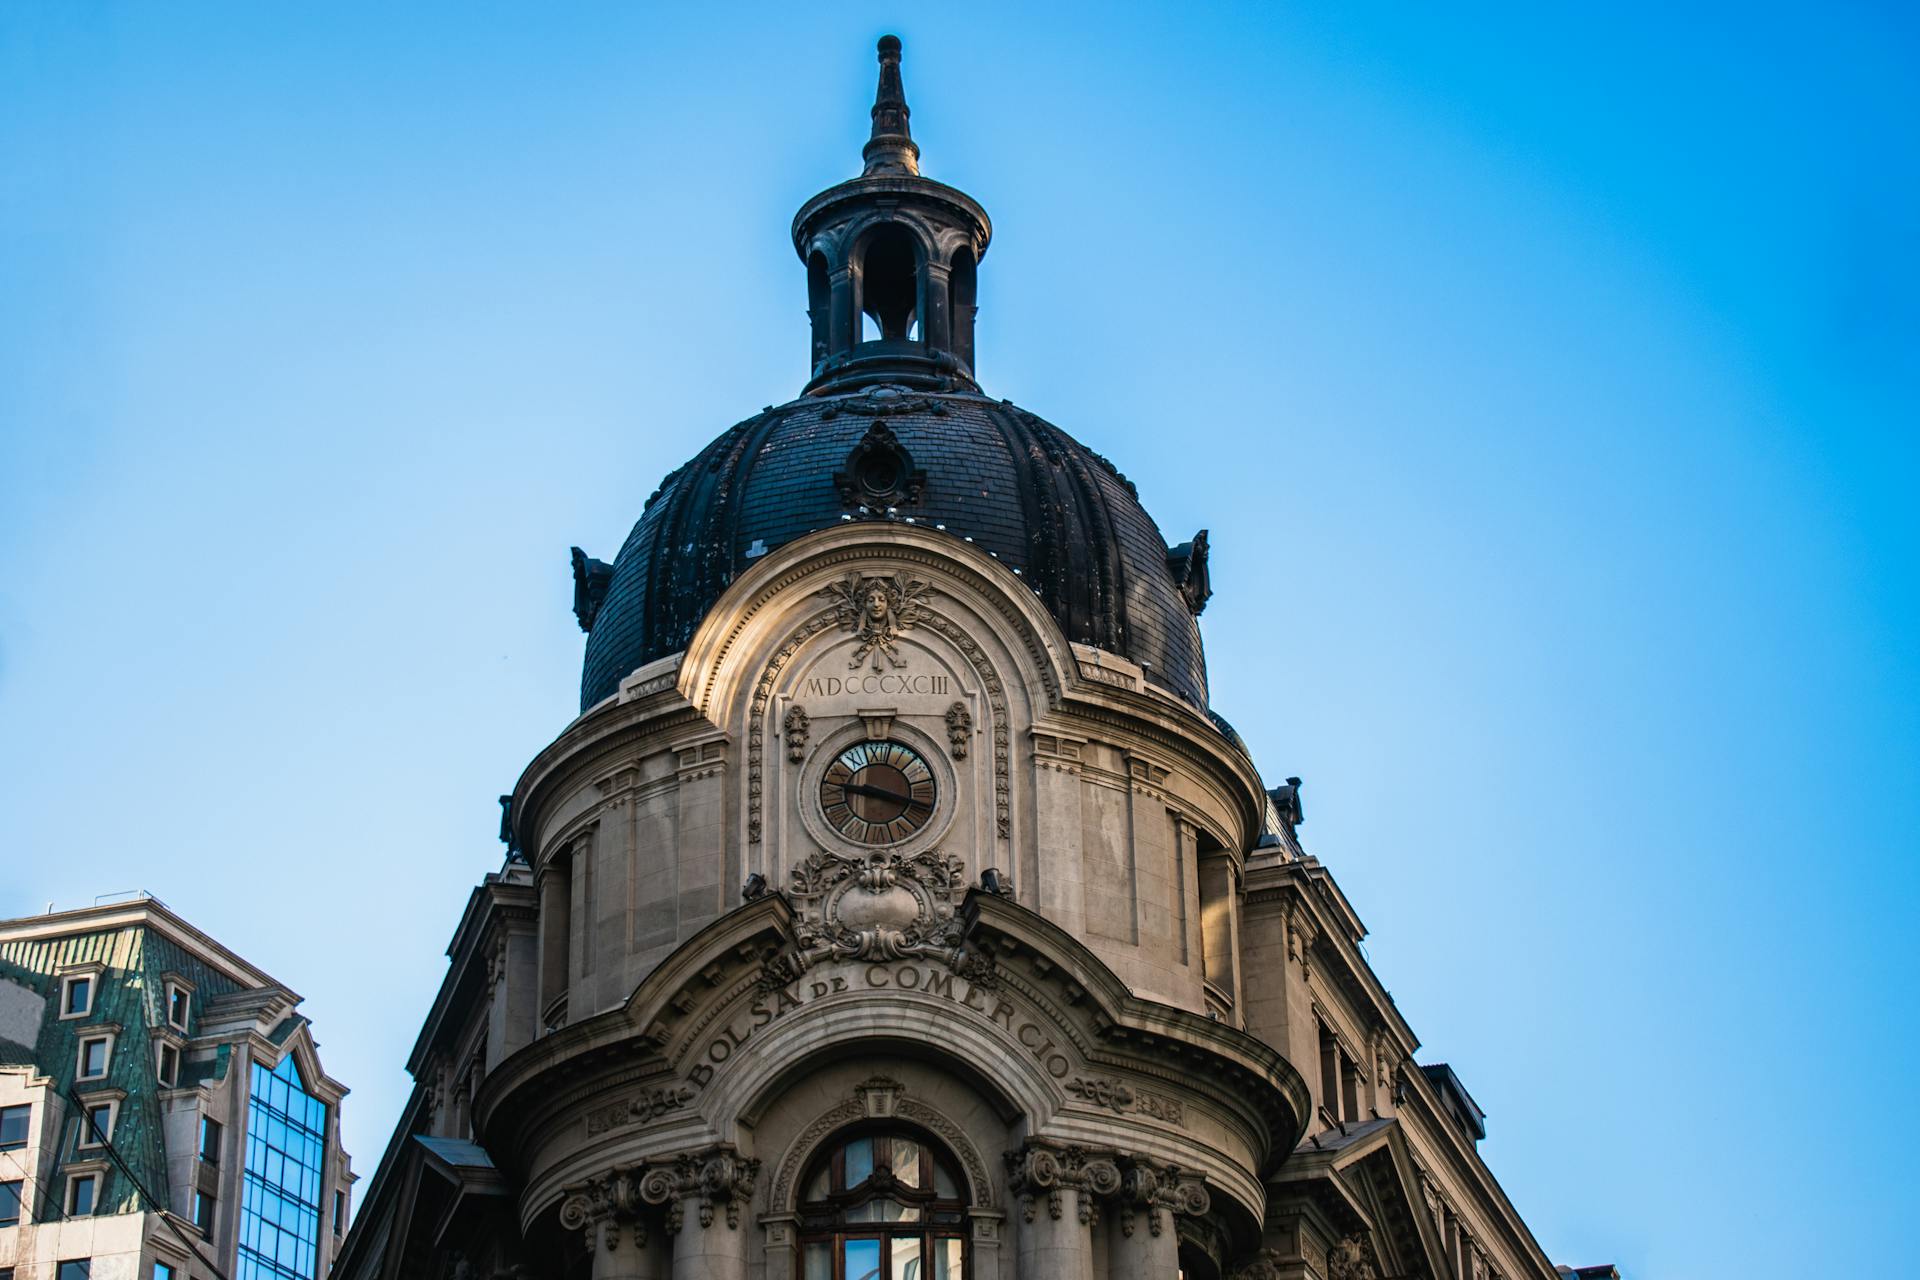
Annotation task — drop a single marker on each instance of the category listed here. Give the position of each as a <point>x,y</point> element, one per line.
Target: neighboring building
<point>163,1115</point>
<point>897,908</point>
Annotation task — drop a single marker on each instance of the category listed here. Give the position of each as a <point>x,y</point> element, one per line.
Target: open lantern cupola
<point>891,263</point>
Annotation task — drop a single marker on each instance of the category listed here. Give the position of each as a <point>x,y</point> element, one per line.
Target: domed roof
<point>1017,487</point>
<point>892,426</point>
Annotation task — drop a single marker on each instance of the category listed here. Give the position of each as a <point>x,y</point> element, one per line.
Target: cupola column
<point>936,315</point>
<point>843,324</point>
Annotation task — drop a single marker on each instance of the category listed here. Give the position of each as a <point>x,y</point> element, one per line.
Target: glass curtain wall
<point>280,1196</point>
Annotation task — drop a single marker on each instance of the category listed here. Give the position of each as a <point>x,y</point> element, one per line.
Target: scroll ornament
<point>720,1177</point>
<point>1042,1169</point>
<point>1039,1170</point>
<point>878,908</point>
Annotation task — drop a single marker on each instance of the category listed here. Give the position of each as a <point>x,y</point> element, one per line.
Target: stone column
<point>607,1210</point>
<point>1058,1187</point>
<point>556,929</point>
<point>1145,1244</point>
<point>705,1194</point>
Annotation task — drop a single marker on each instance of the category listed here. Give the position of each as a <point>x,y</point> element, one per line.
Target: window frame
<point>89,976</point>
<point>80,1072</point>
<point>181,991</point>
<point>26,1139</point>
<point>219,1131</point>
<point>164,1270</point>
<point>86,1141</point>
<point>67,1201</point>
<point>19,1202</point>
<point>84,1272</point>
<point>161,1050</point>
<point>203,1197</point>
<point>827,1221</point>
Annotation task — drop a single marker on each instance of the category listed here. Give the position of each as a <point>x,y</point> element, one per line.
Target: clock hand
<point>864,789</point>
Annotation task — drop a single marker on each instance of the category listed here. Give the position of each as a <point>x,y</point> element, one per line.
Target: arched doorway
<point>882,1202</point>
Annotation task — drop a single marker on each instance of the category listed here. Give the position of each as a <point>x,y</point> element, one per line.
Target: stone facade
<point>187,1026</point>
<point>886,859</point>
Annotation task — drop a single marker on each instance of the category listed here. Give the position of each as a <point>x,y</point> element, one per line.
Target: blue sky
<point>1546,377</point>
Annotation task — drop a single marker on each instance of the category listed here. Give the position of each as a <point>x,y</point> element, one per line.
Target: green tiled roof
<point>130,994</point>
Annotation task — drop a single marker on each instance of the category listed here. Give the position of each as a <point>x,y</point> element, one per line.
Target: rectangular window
<point>163,1271</point>
<point>76,997</point>
<point>168,1065</point>
<point>179,1005</point>
<point>1330,1073</point>
<point>95,1053</point>
<point>76,1269</point>
<point>339,1213</point>
<point>209,1139</point>
<point>14,1122</point>
<point>203,1205</point>
<point>82,1192</point>
<point>10,1204</point>
<point>96,1123</point>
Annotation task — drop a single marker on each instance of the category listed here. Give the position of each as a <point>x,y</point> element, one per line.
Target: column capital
<point>717,1176</point>
<point>1040,1167</point>
<point>1158,1187</point>
<point>601,1206</point>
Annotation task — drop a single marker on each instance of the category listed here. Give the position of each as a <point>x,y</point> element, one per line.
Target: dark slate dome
<point>893,427</point>
<point>1019,488</point>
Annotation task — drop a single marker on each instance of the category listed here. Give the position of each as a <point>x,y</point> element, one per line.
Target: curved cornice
<point>858,544</point>
<point>1233,1070</point>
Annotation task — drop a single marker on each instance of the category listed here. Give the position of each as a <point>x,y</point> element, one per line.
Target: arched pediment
<point>786,599</point>
<point>961,978</point>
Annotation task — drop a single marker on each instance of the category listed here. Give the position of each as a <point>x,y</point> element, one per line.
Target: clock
<point>877,793</point>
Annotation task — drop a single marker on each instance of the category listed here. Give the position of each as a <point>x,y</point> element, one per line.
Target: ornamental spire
<point>892,150</point>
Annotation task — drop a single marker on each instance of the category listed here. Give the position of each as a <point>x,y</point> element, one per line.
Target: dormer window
<point>96,1055</point>
<point>179,1005</point>
<point>76,995</point>
<point>96,1123</point>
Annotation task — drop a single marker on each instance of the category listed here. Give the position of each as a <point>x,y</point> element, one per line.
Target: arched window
<point>882,1204</point>
<point>890,285</point>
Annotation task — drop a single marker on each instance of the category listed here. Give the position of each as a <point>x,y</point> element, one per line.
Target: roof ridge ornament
<point>891,150</point>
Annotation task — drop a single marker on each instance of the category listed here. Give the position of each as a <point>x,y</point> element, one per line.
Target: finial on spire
<point>892,149</point>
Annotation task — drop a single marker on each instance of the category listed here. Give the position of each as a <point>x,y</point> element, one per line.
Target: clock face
<point>877,792</point>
